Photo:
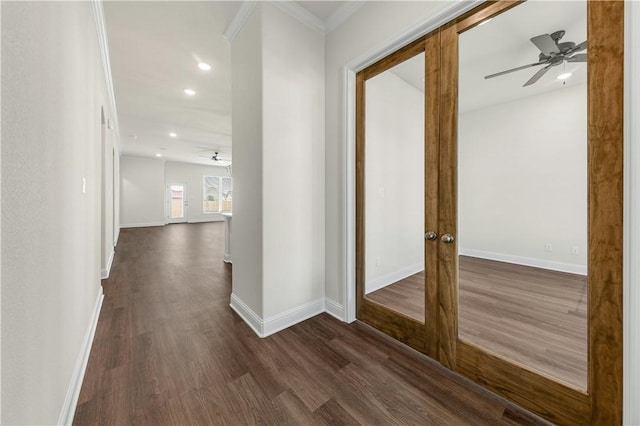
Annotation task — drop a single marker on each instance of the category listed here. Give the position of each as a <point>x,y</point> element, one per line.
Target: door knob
<point>430,235</point>
<point>447,238</point>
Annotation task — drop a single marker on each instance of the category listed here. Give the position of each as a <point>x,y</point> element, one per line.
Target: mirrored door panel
<point>394,188</point>
<point>396,193</point>
<point>522,188</point>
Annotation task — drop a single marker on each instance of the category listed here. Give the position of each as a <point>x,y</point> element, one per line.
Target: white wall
<point>246,123</point>
<point>0,228</point>
<point>142,192</point>
<point>192,175</point>
<point>53,81</point>
<point>394,180</point>
<point>278,135</point>
<point>293,166</point>
<point>143,184</point>
<point>522,180</point>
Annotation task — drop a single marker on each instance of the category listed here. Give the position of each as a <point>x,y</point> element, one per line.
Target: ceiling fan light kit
<point>552,53</point>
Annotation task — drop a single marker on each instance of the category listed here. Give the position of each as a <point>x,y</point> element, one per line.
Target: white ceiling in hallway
<point>155,48</point>
<point>322,9</point>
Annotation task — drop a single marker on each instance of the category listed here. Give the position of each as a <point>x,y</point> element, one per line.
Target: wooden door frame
<point>602,401</point>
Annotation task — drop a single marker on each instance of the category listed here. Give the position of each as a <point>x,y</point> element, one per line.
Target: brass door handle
<point>447,238</point>
<point>430,235</point>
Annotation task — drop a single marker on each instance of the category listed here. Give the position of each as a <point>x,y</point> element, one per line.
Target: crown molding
<point>101,29</point>
<point>341,15</point>
<point>301,14</point>
<point>238,21</point>
<point>296,11</point>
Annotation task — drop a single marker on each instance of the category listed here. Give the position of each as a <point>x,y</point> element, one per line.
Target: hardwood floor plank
<point>533,316</point>
<point>170,351</point>
<point>332,413</point>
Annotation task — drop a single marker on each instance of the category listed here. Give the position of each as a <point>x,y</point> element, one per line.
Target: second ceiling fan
<point>552,53</point>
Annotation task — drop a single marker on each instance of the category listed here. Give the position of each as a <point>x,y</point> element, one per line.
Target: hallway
<point>169,350</point>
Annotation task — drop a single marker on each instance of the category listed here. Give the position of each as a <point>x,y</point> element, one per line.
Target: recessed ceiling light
<point>189,92</point>
<point>163,149</point>
<point>486,21</point>
<point>158,155</point>
<point>204,66</point>
<point>564,76</point>
<point>172,135</point>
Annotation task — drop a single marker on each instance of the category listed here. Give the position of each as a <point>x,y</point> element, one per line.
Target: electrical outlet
<point>548,247</point>
<point>575,250</point>
<point>377,261</point>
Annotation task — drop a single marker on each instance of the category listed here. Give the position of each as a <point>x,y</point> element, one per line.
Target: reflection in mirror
<point>394,188</point>
<point>522,188</point>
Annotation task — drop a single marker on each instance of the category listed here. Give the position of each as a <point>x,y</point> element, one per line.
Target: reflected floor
<point>533,316</point>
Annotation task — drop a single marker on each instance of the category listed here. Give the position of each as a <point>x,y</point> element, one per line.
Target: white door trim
<point>631,271</point>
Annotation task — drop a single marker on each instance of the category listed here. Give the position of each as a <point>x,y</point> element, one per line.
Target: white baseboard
<point>141,225</point>
<point>334,308</point>
<point>115,241</point>
<point>393,277</point>
<point>268,326</point>
<point>73,391</point>
<point>293,316</point>
<point>525,261</point>
<point>104,274</point>
<point>252,319</point>
<point>217,219</point>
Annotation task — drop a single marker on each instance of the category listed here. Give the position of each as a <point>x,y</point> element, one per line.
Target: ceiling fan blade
<point>514,69</point>
<point>580,57</point>
<point>578,47</point>
<point>537,76</point>
<point>545,43</point>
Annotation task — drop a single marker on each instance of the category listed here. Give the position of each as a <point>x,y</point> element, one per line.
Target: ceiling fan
<point>552,53</point>
<point>219,159</point>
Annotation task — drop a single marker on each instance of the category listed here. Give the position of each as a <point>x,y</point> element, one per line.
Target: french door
<point>177,203</point>
<point>489,202</point>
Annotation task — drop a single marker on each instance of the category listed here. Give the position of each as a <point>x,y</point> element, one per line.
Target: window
<point>226,189</point>
<point>217,194</point>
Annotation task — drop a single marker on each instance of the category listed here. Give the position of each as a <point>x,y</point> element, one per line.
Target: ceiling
<point>154,50</point>
<point>322,9</point>
<point>504,43</point>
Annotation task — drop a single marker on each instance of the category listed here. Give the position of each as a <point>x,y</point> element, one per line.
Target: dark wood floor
<point>533,316</point>
<point>169,350</point>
